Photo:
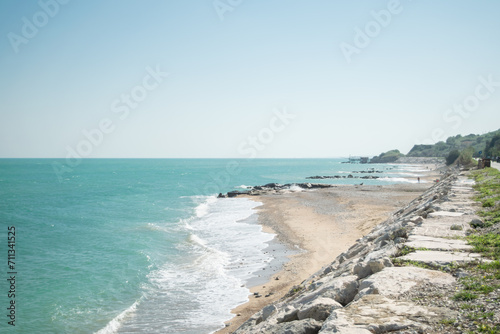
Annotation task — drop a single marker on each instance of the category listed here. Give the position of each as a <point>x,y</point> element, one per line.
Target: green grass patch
<point>489,203</point>
<point>488,186</point>
<point>490,266</point>
<point>466,306</point>
<point>406,250</point>
<point>485,328</point>
<point>406,263</point>
<point>480,315</point>
<point>479,285</point>
<point>464,296</point>
<point>447,322</point>
<point>487,244</point>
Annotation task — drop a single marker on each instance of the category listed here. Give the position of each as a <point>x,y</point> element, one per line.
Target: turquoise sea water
<point>140,246</point>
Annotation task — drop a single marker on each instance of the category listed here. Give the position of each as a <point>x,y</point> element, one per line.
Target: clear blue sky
<point>67,68</point>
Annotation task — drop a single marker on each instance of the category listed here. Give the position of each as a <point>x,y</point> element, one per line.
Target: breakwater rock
<point>275,188</point>
<point>363,289</point>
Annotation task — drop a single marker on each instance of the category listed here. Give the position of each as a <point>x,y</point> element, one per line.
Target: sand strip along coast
<point>322,223</point>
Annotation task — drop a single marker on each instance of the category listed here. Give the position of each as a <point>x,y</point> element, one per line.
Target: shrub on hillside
<point>452,157</point>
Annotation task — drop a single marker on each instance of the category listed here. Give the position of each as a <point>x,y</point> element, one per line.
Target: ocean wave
<point>197,240</point>
<point>114,325</point>
<point>205,277</point>
<point>295,188</point>
<point>405,174</point>
<point>202,209</point>
<point>243,187</point>
<point>399,179</point>
<point>156,227</point>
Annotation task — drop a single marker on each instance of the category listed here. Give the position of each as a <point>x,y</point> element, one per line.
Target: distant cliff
<point>488,144</point>
<point>387,157</point>
<point>480,143</point>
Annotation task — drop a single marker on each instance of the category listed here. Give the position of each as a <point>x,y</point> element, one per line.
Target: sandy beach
<point>322,223</point>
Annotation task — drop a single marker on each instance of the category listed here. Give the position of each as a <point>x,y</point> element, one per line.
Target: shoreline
<point>336,216</point>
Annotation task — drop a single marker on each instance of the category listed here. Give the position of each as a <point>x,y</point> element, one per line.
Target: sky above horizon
<point>244,79</point>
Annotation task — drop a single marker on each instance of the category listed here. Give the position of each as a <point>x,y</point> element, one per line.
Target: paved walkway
<point>441,236</point>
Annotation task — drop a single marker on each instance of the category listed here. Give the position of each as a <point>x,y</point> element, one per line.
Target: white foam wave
<point>406,174</point>
<point>243,187</point>
<point>114,325</point>
<point>295,188</point>
<point>399,179</point>
<point>196,239</point>
<point>156,227</point>
<point>202,209</point>
<point>207,277</point>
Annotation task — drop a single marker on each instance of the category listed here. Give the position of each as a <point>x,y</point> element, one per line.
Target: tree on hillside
<point>492,148</point>
<point>387,157</point>
<point>465,157</point>
<point>452,156</point>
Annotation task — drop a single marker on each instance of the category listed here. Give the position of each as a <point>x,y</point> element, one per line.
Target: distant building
<point>355,160</point>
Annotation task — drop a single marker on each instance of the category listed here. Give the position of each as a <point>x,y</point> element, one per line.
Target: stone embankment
<point>361,291</point>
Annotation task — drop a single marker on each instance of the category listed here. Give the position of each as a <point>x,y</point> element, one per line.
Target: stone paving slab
<point>461,194</point>
<point>466,208</point>
<point>465,180</point>
<point>441,258</point>
<point>462,189</point>
<point>440,229</point>
<point>445,213</point>
<point>423,241</point>
<point>457,203</point>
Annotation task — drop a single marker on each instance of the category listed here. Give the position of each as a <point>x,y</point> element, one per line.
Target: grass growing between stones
<point>464,296</point>
<point>480,288</point>
<point>487,244</point>
<point>479,284</point>
<point>488,186</point>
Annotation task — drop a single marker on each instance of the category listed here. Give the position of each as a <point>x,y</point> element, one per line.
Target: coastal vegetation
<point>387,157</point>
<point>488,186</point>
<point>463,148</point>
<point>488,144</point>
<point>463,158</point>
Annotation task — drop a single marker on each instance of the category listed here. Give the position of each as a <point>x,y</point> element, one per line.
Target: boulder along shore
<point>311,294</point>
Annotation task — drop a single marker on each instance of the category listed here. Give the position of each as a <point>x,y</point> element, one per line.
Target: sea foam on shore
<point>208,277</point>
